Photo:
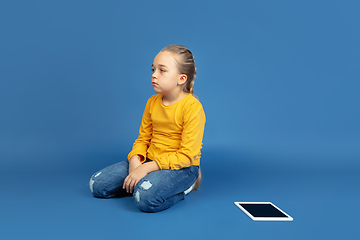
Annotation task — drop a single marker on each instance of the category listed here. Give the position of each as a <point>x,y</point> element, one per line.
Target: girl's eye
<point>160,70</point>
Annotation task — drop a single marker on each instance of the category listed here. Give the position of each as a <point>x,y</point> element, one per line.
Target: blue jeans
<point>155,192</point>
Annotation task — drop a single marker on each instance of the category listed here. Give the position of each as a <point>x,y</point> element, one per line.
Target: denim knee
<point>143,199</point>
<point>97,188</point>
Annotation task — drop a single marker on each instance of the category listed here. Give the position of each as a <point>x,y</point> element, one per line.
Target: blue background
<point>279,83</point>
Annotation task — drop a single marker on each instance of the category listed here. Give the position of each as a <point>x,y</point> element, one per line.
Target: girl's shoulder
<point>192,105</point>
<point>153,97</point>
<point>193,100</point>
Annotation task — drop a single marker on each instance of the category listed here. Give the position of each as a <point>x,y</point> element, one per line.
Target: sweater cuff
<point>162,167</point>
<point>133,154</point>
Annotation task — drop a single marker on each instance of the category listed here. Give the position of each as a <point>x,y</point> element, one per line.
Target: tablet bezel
<point>287,218</point>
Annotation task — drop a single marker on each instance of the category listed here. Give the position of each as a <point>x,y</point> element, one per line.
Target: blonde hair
<point>186,65</point>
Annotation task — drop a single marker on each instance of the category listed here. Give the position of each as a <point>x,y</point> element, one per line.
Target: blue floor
<point>54,202</point>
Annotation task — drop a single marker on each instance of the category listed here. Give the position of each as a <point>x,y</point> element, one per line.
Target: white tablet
<point>263,211</point>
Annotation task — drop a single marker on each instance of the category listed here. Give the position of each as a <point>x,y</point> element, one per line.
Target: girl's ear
<point>183,78</point>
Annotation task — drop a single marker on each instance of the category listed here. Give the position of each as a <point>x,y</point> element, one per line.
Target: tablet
<point>263,211</point>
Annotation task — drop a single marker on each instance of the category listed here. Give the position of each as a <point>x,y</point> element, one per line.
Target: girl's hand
<point>134,177</point>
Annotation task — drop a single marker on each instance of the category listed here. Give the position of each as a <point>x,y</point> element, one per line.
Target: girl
<point>164,163</point>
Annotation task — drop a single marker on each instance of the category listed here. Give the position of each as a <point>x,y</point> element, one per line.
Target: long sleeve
<point>191,143</point>
<point>142,143</point>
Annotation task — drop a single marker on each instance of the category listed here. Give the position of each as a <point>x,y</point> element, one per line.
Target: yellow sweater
<point>171,135</point>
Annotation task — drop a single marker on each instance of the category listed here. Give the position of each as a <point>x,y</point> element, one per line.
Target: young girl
<point>164,163</point>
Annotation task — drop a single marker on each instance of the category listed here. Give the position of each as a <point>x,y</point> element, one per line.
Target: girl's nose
<point>154,73</point>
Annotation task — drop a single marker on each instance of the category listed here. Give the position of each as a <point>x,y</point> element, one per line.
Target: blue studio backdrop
<point>278,80</point>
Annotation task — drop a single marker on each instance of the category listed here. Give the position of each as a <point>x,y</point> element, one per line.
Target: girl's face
<point>165,74</point>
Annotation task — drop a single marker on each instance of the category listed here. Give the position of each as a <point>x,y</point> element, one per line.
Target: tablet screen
<point>262,210</point>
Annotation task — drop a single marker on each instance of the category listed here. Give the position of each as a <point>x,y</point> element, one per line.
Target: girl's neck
<point>173,99</point>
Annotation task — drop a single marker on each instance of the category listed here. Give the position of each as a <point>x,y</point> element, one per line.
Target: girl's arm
<point>135,162</point>
<point>142,143</point>
<point>150,166</point>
